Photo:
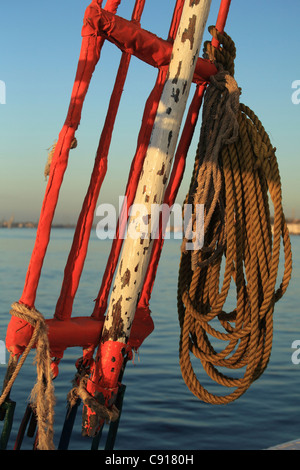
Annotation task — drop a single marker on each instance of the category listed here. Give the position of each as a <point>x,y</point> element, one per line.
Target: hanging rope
<point>42,396</point>
<point>234,174</point>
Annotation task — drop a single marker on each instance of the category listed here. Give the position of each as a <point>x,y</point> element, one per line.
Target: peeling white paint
<point>136,252</point>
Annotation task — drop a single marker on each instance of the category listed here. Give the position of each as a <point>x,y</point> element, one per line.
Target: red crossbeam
<point>130,37</point>
<point>77,331</point>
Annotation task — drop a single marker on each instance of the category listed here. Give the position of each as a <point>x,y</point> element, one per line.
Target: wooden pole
<point>137,247</point>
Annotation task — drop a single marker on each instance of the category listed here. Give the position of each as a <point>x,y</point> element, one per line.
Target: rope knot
<point>42,396</point>
<point>31,316</point>
<point>79,390</point>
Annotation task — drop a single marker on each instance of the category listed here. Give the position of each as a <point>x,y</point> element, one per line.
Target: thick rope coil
<point>235,172</point>
<point>79,391</point>
<point>42,397</point>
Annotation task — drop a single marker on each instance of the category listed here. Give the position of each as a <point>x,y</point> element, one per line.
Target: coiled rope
<point>235,173</point>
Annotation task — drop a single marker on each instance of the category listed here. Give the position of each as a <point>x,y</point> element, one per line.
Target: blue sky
<point>40,43</point>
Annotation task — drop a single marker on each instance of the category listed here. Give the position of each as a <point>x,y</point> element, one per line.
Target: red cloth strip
<point>87,62</point>
<point>82,332</point>
<point>89,56</point>
<point>131,38</point>
<point>221,20</point>
<point>81,238</point>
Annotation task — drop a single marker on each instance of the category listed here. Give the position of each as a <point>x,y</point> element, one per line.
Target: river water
<point>159,412</point>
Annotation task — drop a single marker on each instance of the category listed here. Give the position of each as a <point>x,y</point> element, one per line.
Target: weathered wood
<point>138,244</point>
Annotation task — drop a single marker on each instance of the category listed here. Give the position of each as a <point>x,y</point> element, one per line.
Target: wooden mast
<point>138,244</point>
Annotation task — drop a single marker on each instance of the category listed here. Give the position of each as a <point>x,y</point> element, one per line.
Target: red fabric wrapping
<point>87,62</point>
<point>80,243</point>
<point>131,38</point>
<point>89,56</point>
<point>176,19</point>
<point>221,20</point>
<point>78,331</point>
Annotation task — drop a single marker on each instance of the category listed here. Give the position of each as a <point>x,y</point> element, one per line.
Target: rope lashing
<point>79,391</point>
<point>51,151</point>
<point>235,172</point>
<point>42,396</point>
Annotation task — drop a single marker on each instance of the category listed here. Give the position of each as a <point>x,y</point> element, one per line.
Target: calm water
<point>159,411</point>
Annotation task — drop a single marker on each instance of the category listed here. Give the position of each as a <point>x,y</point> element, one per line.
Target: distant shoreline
<point>32,225</point>
<point>293,226</point>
